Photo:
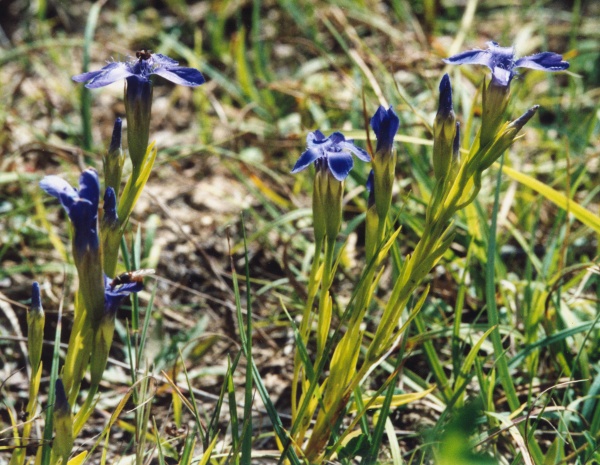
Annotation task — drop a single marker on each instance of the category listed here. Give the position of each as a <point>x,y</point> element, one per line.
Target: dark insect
<point>131,277</point>
<point>173,431</point>
<point>143,54</point>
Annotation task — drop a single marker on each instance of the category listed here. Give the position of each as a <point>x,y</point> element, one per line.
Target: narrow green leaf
<point>560,200</point>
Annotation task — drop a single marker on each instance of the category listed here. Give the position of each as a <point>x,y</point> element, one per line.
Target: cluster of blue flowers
<point>333,153</point>
<point>332,156</point>
<point>81,206</point>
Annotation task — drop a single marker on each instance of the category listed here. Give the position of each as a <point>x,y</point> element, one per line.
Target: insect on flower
<point>136,276</point>
<point>143,54</point>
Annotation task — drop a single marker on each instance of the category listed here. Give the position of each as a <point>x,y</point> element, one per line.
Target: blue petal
<point>163,60</point>
<point>385,124</point>
<point>113,297</point>
<point>336,138</point>
<point>111,73</point>
<point>471,57</point>
<point>317,139</point>
<point>445,102</point>
<point>501,54</point>
<point>139,89</point>
<point>61,189</point>
<point>84,217</point>
<point>183,76</point>
<point>317,136</point>
<point>88,76</point>
<point>89,186</point>
<point>308,157</point>
<point>501,76</point>
<point>340,164</point>
<point>360,153</point>
<point>545,61</point>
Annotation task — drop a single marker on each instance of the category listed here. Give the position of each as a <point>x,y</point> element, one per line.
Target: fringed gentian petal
<point>501,61</point>
<point>142,68</point>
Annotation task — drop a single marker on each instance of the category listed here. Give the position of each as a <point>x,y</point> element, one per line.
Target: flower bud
<point>35,328</point>
<point>385,124</point>
<point>63,425</point>
<point>505,138</point>
<point>444,130</point>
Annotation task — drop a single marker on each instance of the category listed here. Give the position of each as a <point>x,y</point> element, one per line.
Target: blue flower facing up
<point>140,69</point>
<point>501,61</point>
<point>81,206</point>
<point>138,93</point>
<point>331,153</point>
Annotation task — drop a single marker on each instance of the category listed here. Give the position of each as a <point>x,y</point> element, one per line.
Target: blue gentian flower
<point>138,93</point>
<point>140,69</point>
<point>385,124</point>
<point>114,296</point>
<point>332,153</point>
<point>81,206</point>
<point>501,61</point>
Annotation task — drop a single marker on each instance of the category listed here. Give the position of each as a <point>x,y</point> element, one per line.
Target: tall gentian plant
<point>138,74</point>
<point>95,254</point>
<point>332,157</point>
<point>457,182</point>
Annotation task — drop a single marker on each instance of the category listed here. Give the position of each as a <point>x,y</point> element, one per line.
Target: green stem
<point>313,287</point>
